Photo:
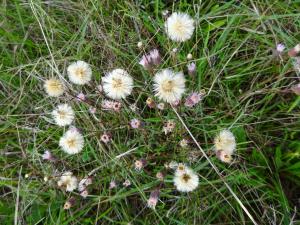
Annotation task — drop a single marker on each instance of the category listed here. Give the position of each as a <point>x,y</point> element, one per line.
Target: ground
<point>248,90</point>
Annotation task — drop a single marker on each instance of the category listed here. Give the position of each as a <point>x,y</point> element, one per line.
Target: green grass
<point>246,91</point>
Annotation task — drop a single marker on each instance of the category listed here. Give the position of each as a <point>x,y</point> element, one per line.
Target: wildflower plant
<point>151,112</point>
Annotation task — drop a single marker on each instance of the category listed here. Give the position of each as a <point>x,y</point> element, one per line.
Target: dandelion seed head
<point>193,99</point>
<point>117,84</point>
<point>54,87</point>
<point>185,180</point>
<point>72,141</point>
<point>79,72</point>
<point>68,181</point>
<point>179,27</point>
<point>63,115</point>
<point>168,85</point>
<point>225,141</point>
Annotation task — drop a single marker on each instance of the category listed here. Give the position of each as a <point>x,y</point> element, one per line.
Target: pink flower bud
<point>191,68</point>
<point>80,97</point>
<point>48,156</point>
<point>155,57</point>
<point>152,201</point>
<point>193,99</point>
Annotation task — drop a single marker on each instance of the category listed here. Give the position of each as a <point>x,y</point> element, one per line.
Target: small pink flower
<point>161,106</point>
<point>146,62</point>
<point>139,164</point>
<point>92,110</point>
<point>160,176</point>
<point>193,99</point>
<point>155,56</point>
<point>280,47</point>
<point>80,97</point>
<point>126,183</point>
<point>107,104</point>
<point>111,105</point>
<point>48,156</point>
<point>112,184</point>
<point>176,103</point>
<point>117,106</point>
<point>135,123</point>
<point>106,138</point>
<point>191,68</point>
<point>84,193</point>
<point>152,201</point>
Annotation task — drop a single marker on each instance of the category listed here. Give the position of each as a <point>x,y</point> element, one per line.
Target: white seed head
<point>79,72</point>
<point>169,85</point>
<point>179,27</point>
<point>63,115</point>
<point>72,141</point>
<point>54,87</point>
<point>117,84</point>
